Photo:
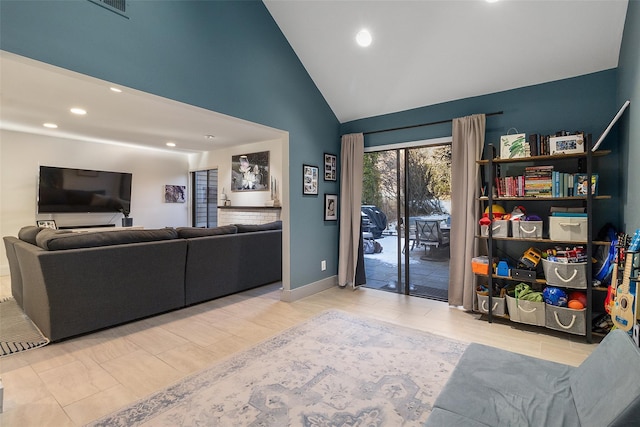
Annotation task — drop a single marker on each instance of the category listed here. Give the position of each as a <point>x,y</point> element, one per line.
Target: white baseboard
<point>308,290</point>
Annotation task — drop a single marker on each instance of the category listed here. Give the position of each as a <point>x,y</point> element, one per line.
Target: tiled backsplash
<point>242,215</point>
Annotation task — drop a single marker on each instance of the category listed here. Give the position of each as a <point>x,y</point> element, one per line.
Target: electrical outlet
<point>323,265</point>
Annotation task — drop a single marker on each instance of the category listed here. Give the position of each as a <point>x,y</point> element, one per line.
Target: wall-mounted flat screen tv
<point>66,190</point>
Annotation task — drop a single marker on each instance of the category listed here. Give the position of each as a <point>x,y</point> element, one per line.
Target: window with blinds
<point>205,198</point>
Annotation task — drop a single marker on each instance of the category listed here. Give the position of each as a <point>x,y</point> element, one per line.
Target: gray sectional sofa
<point>493,387</point>
<point>74,283</point>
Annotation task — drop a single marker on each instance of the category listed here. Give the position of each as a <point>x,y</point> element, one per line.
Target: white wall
<point>21,154</point>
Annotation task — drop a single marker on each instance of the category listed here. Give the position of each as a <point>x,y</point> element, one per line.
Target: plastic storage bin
<point>566,319</point>
<point>567,275</point>
<point>568,228</point>
<point>526,229</point>
<point>497,305</point>
<point>480,265</point>
<point>523,311</point>
<point>499,228</point>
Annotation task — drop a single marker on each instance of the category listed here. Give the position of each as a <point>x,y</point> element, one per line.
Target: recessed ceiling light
<point>492,1</point>
<point>171,144</point>
<point>78,111</point>
<point>50,125</point>
<point>209,136</point>
<point>363,38</point>
<point>115,89</point>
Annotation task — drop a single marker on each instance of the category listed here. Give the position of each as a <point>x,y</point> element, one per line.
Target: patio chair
<point>435,242</point>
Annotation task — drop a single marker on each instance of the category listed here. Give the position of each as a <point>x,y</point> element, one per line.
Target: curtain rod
<point>422,124</point>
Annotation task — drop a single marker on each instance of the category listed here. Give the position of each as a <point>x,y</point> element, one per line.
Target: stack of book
<point>510,186</point>
<point>538,181</point>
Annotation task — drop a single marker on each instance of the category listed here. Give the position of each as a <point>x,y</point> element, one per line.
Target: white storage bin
<point>523,311</point>
<point>568,228</point>
<point>497,305</point>
<point>566,319</point>
<point>526,229</point>
<point>567,275</point>
<point>499,228</point>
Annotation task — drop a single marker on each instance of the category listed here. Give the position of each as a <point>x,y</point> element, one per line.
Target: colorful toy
<point>574,304</point>
<point>554,296</point>
<point>531,257</point>
<point>497,210</point>
<point>579,296</point>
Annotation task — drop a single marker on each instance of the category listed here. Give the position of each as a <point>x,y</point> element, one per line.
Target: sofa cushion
<point>28,234</point>
<point>606,386</point>
<point>53,240</point>
<point>189,232</point>
<point>439,417</point>
<point>248,228</point>
<point>500,388</point>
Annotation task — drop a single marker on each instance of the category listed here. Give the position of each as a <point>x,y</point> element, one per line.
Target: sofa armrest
<point>606,386</point>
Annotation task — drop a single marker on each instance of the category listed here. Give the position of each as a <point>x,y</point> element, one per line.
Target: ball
<point>575,304</point>
<point>555,296</point>
<point>580,296</point>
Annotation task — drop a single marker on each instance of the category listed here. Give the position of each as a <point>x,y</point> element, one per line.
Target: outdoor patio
<point>429,279</point>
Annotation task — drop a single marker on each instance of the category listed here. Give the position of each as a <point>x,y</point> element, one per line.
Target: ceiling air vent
<point>118,6</point>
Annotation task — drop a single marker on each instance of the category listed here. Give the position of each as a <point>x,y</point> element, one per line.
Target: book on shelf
<point>580,186</point>
<point>569,209</point>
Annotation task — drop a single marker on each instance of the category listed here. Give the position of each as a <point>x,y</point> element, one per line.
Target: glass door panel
<point>398,210</point>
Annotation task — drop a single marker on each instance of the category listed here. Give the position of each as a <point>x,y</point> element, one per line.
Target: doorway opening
<point>406,216</point>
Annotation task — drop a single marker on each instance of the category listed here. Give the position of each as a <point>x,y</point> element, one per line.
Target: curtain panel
<point>466,147</point>
<point>352,163</point>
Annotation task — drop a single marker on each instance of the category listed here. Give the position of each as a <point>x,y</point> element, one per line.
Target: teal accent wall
<point>225,56</point>
<point>585,103</point>
<point>629,88</point>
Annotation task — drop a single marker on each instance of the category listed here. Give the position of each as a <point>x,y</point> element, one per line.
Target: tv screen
<point>66,190</point>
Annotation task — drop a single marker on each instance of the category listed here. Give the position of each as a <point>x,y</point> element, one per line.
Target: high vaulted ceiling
<point>428,52</point>
<point>423,53</point>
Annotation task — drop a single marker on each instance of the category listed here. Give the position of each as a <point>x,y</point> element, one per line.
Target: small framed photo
<point>330,207</point>
<point>309,180</point>
<point>330,167</point>
<point>47,223</point>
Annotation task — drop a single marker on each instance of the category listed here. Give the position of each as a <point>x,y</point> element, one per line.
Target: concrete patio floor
<point>428,278</point>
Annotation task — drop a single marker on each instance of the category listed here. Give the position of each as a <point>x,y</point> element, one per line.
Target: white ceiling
<point>428,52</point>
<point>423,53</point>
<point>32,93</point>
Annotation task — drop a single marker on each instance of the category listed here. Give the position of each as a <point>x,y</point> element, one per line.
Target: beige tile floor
<point>78,380</point>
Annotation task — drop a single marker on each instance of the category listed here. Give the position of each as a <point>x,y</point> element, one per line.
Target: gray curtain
<point>466,148</point>
<point>352,160</point>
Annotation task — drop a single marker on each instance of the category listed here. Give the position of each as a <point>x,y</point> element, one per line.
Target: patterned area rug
<point>17,331</point>
<point>332,370</point>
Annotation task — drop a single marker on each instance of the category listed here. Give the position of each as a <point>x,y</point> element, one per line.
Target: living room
<point>267,85</point>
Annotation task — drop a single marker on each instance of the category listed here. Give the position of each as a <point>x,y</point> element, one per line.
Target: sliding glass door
<point>406,208</point>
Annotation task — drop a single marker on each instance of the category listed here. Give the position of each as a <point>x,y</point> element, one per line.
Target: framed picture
<point>309,180</point>
<point>566,144</point>
<point>330,207</point>
<point>250,172</point>
<point>175,193</point>
<point>330,167</point>
<point>47,223</point>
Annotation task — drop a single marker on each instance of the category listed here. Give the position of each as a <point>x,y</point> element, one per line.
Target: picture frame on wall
<point>175,193</point>
<point>310,180</point>
<point>330,207</point>
<point>47,223</point>
<point>330,167</point>
<point>250,172</point>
